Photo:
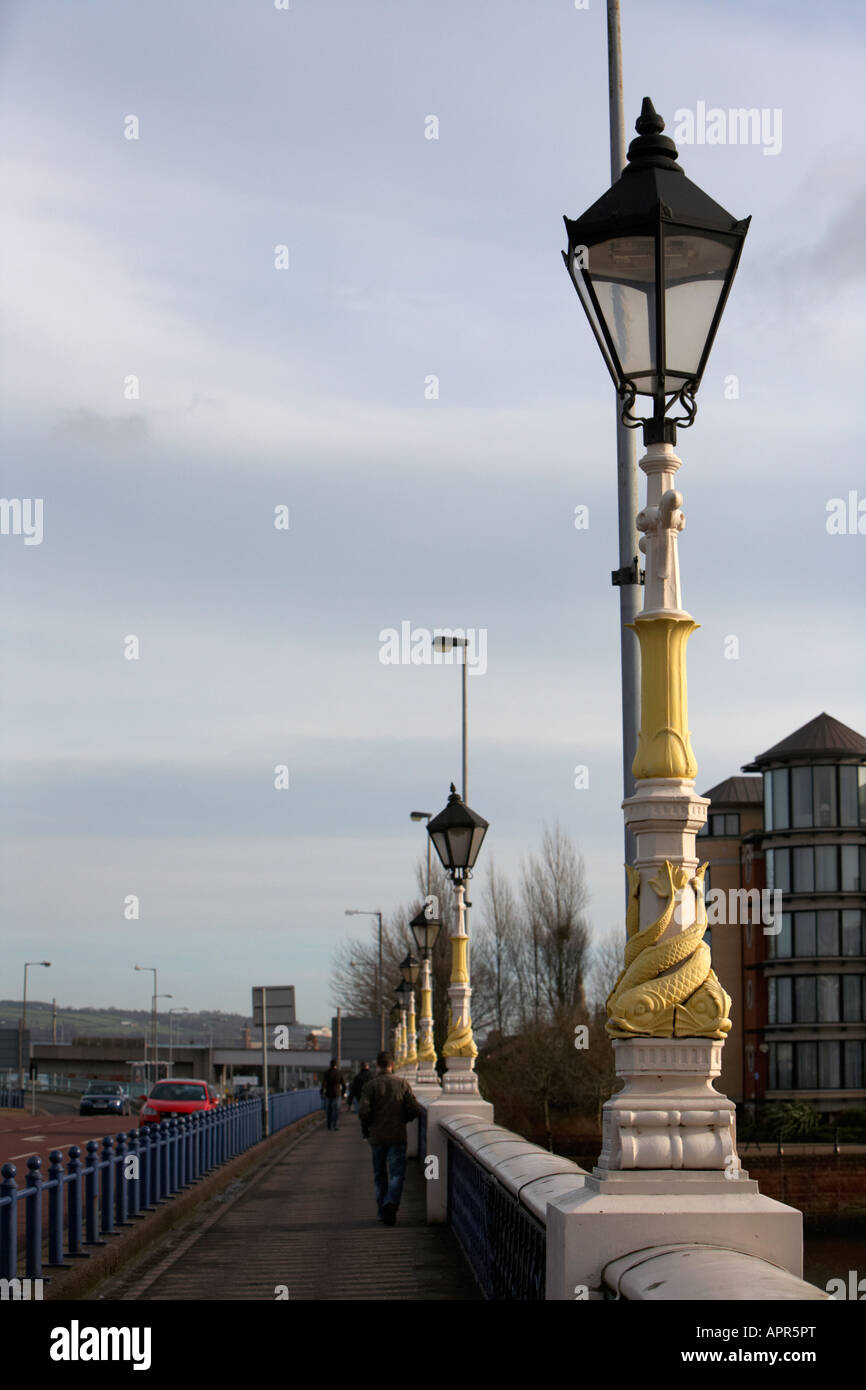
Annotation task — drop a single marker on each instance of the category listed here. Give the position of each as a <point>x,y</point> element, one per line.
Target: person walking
<point>333,1086</point>
<point>387,1104</point>
<point>358,1083</point>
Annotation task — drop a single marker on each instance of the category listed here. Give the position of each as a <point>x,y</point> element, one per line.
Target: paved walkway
<point>306,1222</point>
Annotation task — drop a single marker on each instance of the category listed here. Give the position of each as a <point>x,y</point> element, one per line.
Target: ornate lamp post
<point>457,834</point>
<point>653,261</point>
<point>403,991</point>
<point>426,931</point>
<point>410,968</point>
<point>395,1032</point>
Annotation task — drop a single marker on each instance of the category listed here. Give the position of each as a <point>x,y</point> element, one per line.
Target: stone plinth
<point>668,1116</point>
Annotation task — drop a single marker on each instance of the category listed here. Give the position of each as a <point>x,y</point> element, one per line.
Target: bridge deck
<point>308,1222</point>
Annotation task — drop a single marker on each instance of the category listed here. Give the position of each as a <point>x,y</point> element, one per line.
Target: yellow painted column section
<point>664,746</point>
<point>460,1042</point>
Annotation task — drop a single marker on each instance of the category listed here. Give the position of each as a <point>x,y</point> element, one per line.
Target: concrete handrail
<point>531,1174</point>
<point>703,1273</point>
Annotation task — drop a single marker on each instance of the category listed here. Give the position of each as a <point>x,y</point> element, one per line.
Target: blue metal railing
<point>124,1178</point>
<point>11,1099</point>
<point>505,1246</point>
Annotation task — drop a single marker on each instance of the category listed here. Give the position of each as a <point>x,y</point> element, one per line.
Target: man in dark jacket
<point>333,1086</point>
<point>387,1103</point>
<point>358,1083</point>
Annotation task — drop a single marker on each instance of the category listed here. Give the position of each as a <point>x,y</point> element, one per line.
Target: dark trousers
<point>332,1110</point>
<point>389,1170</point>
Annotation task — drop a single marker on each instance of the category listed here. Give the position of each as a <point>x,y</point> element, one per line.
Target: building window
<point>853,868</point>
<point>768,800</point>
<point>779,869</point>
<point>852,1053</point>
<point>828,933</point>
<point>829,1066</point>
<point>824,796</point>
<point>749,994</point>
<point>804,869</point>
<point>781,819</point>
<point>781,1066</point>
<point>861,793</point>
<point>748,933</point>
<point>807,1066</point>
<point>852,998</point>
<point>801,797</point>
<point>851,933</point>
<point>722,823</point>
<point>827,868</point>
<point>779,946</point>
<point>805,999</point>
<point>828,998</point>
<point>805,943</point>
<point>849,813</point>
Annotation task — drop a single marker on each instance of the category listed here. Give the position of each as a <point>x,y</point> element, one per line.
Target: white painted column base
<point>668,1115</point>
<point>460,1078</point>
<point>444,1107</point>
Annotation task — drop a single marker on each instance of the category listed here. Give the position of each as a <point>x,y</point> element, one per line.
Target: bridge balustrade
<point>499,1186</point>
<point>132,1175</point>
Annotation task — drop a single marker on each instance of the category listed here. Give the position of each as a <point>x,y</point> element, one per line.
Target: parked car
<point>105,1098</point>
<point>179,1096</point>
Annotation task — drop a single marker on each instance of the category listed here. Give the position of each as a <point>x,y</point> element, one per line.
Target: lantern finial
<point>649,145</point>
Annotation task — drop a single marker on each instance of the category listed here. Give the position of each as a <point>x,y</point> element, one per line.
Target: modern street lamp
<point>457,834</point>
<point>360,912</point>
<point>653,261</point>
<point>152,969</point>
<point>23,1021</point>
<point>156,1023</point>
<point>170,1012</point>
<point>425,930</point>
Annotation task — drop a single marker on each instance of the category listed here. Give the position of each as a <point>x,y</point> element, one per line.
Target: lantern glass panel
<point>440,841</point>
<point>578,262</point>
<point>460,838</point>
<point>623,275</point>
<point>696,271</point>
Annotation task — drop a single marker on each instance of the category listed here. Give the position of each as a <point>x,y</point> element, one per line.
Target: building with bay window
<point>804,1018</point>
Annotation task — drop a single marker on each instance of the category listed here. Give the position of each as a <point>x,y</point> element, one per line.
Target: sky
<point>169,378</point>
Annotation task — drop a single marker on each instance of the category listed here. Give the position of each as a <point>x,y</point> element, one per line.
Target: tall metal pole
<point>266,1119</point>
<point>627,576</point>
<point>379,990</point>
<point>464,650</point>
<point>155,1033</point>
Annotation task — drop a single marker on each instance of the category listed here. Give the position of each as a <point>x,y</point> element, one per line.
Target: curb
<point>80,1278</point>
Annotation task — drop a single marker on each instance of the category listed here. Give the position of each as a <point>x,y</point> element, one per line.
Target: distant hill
<point>228,1029</point>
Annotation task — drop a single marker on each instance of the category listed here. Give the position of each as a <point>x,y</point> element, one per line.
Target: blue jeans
<point>332,1111</point>
<point>389,1170</point>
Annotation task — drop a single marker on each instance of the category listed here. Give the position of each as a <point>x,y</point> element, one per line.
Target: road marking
<point>14,1156</point>
<point>33,1136</point>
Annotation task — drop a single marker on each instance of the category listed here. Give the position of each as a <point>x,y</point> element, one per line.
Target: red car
<point>169,1099</point>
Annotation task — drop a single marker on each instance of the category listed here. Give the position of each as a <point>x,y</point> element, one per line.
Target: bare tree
<point>495,945</point>
<point>554,894</point>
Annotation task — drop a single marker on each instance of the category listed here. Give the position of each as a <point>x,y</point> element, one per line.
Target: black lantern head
<point>425,930</point>
<point>402,991</point>
<point>410,968</point>
<point>652,262</point>
<point>457,834</point>
<point>395,1014</point>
